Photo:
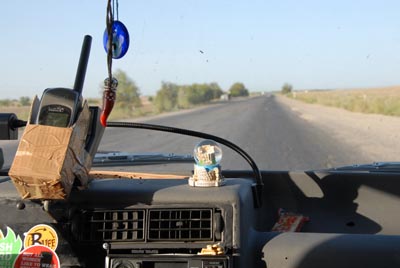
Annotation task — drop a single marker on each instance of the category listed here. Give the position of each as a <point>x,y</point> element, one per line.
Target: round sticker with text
<point>41,234</point>
<point>37,256</point>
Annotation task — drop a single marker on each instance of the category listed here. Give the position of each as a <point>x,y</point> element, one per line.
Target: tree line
<point>169,97</point>
<point>172,96</point>
<point>22,101</point>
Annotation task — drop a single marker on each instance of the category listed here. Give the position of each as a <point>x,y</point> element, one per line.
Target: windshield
<point>299,85</point>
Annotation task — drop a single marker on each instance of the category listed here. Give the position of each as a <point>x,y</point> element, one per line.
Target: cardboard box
<point>49,159</point>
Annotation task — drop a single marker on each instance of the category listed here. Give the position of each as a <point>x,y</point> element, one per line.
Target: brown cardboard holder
<point>49,159</point>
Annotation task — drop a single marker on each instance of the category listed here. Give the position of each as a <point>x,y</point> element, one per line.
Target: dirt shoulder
<point>376,136</point>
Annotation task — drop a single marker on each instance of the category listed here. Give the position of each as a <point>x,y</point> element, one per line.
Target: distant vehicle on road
<point>225,97</point>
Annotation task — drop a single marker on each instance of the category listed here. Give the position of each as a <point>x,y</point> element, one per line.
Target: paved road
<point>269,131</point>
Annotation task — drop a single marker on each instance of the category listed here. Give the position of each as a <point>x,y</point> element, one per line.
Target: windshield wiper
<point>373,167</point>
<point>132,159</point>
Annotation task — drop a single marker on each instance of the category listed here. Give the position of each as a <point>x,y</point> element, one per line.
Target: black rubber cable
<point>240,151</point>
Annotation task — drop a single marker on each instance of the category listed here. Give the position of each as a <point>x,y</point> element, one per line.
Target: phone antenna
<point>82,65</point>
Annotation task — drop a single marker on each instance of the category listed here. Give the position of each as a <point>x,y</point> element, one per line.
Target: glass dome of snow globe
<point>207,153</point>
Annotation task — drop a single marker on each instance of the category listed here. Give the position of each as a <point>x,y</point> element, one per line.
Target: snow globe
<point>207,170</point>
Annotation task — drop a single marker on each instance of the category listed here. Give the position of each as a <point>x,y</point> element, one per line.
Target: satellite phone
<point>60,107</point>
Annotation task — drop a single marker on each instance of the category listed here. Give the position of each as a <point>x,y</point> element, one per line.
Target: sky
<point>263,44</point>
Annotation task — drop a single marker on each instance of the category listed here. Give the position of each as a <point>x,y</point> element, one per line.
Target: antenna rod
<point>82,65</point>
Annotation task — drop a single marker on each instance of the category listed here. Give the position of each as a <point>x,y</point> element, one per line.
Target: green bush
<point>286,88</point>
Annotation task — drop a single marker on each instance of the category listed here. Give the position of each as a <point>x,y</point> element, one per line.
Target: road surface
<point>273,134</point>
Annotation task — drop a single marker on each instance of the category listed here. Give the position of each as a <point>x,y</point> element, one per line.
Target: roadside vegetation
<point>19,106</point>
<point>287,88</point>
<point>130,103</point>
<point>174,97</point>
<point>384,101</point>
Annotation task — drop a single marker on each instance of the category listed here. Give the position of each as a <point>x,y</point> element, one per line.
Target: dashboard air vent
<point>115,225</point>
<point>180,225</point>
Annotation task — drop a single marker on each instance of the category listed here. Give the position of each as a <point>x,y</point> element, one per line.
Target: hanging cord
<point>116,9</point>
<point>109,23</point>
<point>113,7</point>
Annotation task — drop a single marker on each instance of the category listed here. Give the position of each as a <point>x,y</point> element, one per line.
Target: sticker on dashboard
<point>37,256</point>
<point>41,234</point>
<point>10,247</point>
